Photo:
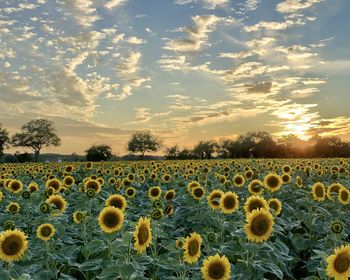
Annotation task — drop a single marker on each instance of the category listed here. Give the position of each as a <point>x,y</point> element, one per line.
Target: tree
<point>205,149</point>
<point>36,134</point>
<point>172,152</point>
<point>142,142</point>
<point>4,139</point>
<point>330,147</point>
<point>99,152</point>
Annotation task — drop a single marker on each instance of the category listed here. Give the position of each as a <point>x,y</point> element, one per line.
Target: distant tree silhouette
<point>99,153</point>
<point>142,142</point>
<point>36,135</point>
<point>4,139</point>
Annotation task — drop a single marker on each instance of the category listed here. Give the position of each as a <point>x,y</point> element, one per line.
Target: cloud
<point>196,36</point>
<point>293,6</point>
<point>135,41</point>
<point>114,3</point>
<point>129,64</point>
<point>304,93</point>
<point>208,4</point>
<point>171,63</point>
<point>83,11</point>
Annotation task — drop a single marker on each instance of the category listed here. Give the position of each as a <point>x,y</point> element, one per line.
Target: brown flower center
<point>193,247</point>
<point>11,245</point>
<point>259,225</point>
<point>111,219</point>
<point>216,270</point>
<point>143,234</point>
<point>341,263</point>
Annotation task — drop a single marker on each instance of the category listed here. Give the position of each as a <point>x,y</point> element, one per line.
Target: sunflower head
<point>154,192</point>
<point>169,210</point>
<point>338,264</point>
<point>198,193</point>
<point>216,268</point>
<point>79,216</point>
<point>259,225</point>
<point>92,184</point>
<point>26,194</point>
<point>238,180</point>
<point>192,248</point>
<point>256,187</point>
<point>13,244</point>
<point>255,202</point>
<point>170,195</point>
<point>337,227</point>
<point>211,236</point>
<point>272,182</point>
<point>15,186</point>
<point>142,235</point>
<point>9,225</point>
<point>45,207</point>
<point>45,231</point>
<point>157,213</point>
<point>68,181</point>
<point>116,200</point>
<point>130,192</point>
<point>344,196</point>
<point>157,204</point>
<point>318,191</point>
<point>276,205</point>
<point>111,219</point>
<point>229,202</point>
<point>13,208</point>
<point>58,203</point>
<point>214,199</point>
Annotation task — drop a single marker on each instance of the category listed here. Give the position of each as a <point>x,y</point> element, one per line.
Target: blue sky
<point>185,69</point>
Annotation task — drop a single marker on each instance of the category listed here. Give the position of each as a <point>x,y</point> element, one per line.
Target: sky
<point>187,70</point>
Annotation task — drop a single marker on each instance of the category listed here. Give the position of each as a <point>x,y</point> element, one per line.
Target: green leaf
<point>5,275</point>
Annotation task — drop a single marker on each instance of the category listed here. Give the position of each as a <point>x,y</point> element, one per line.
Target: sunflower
<point>299,182</point>
<point>92,184</point>
<point>286,178</point>
<point>131,177</point>
<point>15,186</point>
<point>33,187</point>
<point>333,190</point>
<point>45,231</point>
<point>214,199</point>
<point>53,183</point>
<point>142,235</point>
<point>318,191</point>
<point>229,202</point>
<point>192,248</point>
<point>78,216</point>
<point>216,268</point>
<point>179,242</point>
<point>154,192</point>
<point>170,195</point>
<point>338,264</point>
<point>116,200</point>
<point>259,225</point>
<point>166,178</point>
<point>255,202</point>
<point>130,192</point>
<point>256,187</point>
<point>192,185</point>
<point>238,180</point>
<point>344,196</point>
<point>68,181</point>
<point>198,193</point>
<point>276,205</point>
<point>272,182</point>
<point>13,207</point>
<point>59,202</point>
<point>337,227</point>
<point>110,219</point>
<point>169,210</point>
<point>13,244</point>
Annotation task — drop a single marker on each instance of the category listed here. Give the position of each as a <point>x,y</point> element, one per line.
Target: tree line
<point>40,133</point>
<point>262,145</point>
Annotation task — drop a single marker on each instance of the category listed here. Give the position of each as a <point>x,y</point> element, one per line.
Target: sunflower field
<point>209,219</point>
